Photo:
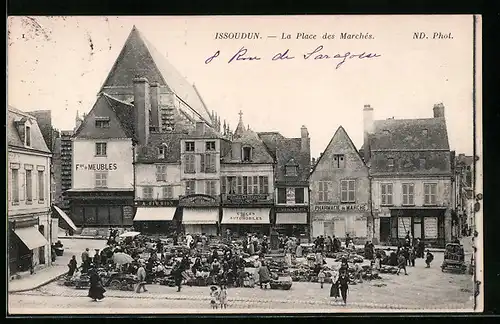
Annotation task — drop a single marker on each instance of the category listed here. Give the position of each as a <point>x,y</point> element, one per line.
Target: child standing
<point>321,277</point>
<point>428,259</point>
<point>223,297</point>
<point>214,297</point>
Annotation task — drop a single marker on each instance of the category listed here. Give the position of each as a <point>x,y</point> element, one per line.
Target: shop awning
<point>31,237</point>
<point>291,218</point>
<point>65,217</point>
<point>154,214</point>
<point>245,216</point>
<point>196,216</point>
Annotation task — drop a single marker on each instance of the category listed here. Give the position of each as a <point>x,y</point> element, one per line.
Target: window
<point>408,194</point>
<point>281,195</point>
<point>161,152</point>
<point>386,193</point>
<point>167,192</point>
<point>210,146</point>
<point>28,136</point>
<point>390,162</point>
<point>430,192</point>
<point>348,191</point>
<point>41,186</point>
<point>210,187</point>
<point>323,191</point>
<point>245,185</point>
<point>299,195</point>
<point>161,172</point>
<point>291,171</point>
<point>189,146</point>
<point>256,185</point>
<point>338,161</point>
<point>29,186</point>
<point>190,164</point>
<point>190,187</point>
<point>250,185</point>
<point>422,163</point>
<point>231,185</point>
<point>102,122</point>
<point>101,179</point>
<point>263,185</point>
<point>15,185</point>
<point>208,163</point>
<point>100,149</point>
<point>147,192</point>
<point>247,154</point>
<point>239,185</point>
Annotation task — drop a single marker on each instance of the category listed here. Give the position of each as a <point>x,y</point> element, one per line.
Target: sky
<point>60,63</point>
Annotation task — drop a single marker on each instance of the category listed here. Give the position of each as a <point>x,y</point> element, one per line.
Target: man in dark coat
<point>344,286</point>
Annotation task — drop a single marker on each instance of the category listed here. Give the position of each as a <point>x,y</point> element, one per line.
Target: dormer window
<point>189,146</point>
<point>161,152</point>
<point>247,154</point>
<point>291,170</point>
<point>27,140</point>
<point>210,146</point>
<point>390,162</point>
<point>102,122</point>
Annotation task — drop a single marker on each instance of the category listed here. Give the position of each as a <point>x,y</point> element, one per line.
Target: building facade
<point>29,214</point>
<point>463,194</point>
<point>411,176</point>
<point>247,184</point>
<point>102,191</point>
<point>340,192</point>
<point>201,150</point>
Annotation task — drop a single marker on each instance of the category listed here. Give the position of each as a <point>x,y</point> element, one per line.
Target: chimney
<point>304,139</point>
<point>367,130</point>
<point>155,105</point>
<point>438,110</point>
<point>142,106</point>
<point>200,128</point>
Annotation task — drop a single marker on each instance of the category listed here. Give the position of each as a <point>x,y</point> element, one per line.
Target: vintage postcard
<point>244,164</point>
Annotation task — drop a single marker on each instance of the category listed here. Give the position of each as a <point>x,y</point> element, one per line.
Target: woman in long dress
<point>334,290</point>
<point>96,290</point>
<point>264,275</point>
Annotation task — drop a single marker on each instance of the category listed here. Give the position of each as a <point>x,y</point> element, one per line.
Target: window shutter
<point>212,187</point>
<point>250,185</point>
<point>202,162</point>
<point>22,187</point>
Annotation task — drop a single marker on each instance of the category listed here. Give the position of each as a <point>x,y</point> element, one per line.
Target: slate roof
<point>171,142</point>
<point>209,132</point>
<point>44,120</point>
<point>260,152</point>
<point>123,111</point>
<point>408,134</point>
<point>168,75</point>
<point>13,137</point>
<point>271,139</point>
<point>465,160</point>
<point>288,152</point>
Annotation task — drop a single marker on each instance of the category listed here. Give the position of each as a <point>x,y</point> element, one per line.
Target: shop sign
<point>198,200</point>
<point>340,208</point>
<point>295,209</point>
<point>128,213</point>
<point>239,199</point>
<point>96,166</point>
<point>156,203</point>
<point>290,196</point>
<point>245,216</point>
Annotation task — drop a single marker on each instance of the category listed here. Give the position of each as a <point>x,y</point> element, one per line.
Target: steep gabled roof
<point>338,132</point>
<point>271,140</point>
<point>13,136</point>
<point>139,57</point>
<point>121,118</point>
<point>260,152</point>
<point>170,142</point>
<point>288,152</point>
<point>409,134</point>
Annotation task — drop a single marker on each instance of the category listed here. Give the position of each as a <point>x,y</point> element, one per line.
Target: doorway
<point>417,227</point>
<point>385,229</point>
<point>41,250</point>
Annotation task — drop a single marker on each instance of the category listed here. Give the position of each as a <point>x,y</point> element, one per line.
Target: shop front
<point>156,217</point>
<point>425,224</point>
<point>27,244</point>
<point>244,220</point>
<point>292,221</point>
<point>340,220</point>
<point>110,208</point>
<point>200,214</point>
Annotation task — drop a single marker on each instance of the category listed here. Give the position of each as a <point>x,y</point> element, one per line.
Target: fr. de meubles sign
<point>96,166</point>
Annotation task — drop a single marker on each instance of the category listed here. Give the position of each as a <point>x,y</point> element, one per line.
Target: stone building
<point>29,232</point>
<point>463,193</point>
<point>247,183</point>
<point>340,192</point>
<point>292,157</point>
<point>410,172</point>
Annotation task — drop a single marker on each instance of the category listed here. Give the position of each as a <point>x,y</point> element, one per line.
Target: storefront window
<point>115,215</point>
<point>281,195</point>
<point>103,215</point>
<point>77,215</point>
<point>90,214</point>
<point>299,195</point>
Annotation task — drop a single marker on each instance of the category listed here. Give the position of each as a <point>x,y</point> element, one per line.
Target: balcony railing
<point>242,199</point>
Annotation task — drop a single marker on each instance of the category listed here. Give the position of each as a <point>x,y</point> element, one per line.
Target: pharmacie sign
<point>96,166</point>
<point>340,208</point>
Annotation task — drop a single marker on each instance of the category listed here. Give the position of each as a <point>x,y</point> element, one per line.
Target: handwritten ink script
<point>316,54</point>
